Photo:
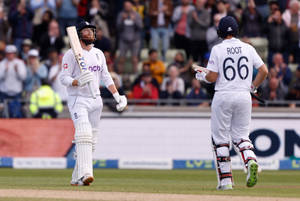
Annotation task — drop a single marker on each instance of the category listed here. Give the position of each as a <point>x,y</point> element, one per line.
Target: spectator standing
<point>51,39</point>
<point>212,37</point>
<point>42,28</point>
<point>197,93</point>
<point>129,25</point>
<point>35,72</point>
<point>145,89</point>
<point>20,20</point>
<point>12,75</point>
<point>102,42</point>
<point>97,16</point>
<point>291,17</point>
<point>252,21</point>
<point>199,21</point>
<point>172,86</point>
<point>160,12</point>
<point>181,27</point>
<point>39,7</point>
<point>277,34</point>
<point>53,77</point>
<point>67,13</point>
<point>4,26</point>
<point>157,67</point>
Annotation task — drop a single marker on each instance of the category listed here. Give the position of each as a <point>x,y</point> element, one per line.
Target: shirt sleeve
<point>212,64</point>
<point>67,69</point>
<point>22,73</point>
<point>257,61</point>
<point>105,75</point>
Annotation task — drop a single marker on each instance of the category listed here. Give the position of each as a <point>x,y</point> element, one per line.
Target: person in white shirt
<point>54,73</point>
<point>231,66</point>
<point>12,75</point>
<point>85,111</point>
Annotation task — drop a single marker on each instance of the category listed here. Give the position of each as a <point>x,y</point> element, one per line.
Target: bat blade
<point>78,53</point>
<point>198,68</point>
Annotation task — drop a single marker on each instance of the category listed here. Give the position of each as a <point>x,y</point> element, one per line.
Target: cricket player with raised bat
<point>231,65</point>
<point>85,110</point>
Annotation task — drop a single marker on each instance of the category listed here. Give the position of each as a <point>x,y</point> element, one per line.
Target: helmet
<point>227,26</point>
<point>83,25</point>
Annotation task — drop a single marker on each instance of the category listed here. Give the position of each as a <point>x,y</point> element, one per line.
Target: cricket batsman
<point>231,65</point>
<point>85,110</point>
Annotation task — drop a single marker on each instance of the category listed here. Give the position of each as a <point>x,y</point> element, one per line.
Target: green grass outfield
<point>270,184</point>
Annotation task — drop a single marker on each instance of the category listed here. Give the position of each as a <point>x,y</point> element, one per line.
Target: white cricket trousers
<point>85,113</point>
<point>231,116</point>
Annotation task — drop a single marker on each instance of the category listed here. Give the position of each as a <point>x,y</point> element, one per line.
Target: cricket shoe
<point>83,181</point>
<point>225,187</point>
<point>252,173</point>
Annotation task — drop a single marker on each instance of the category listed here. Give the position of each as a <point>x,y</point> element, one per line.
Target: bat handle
<point>91,90</point>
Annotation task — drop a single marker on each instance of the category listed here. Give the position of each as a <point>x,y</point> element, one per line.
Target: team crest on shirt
<point>65,66</point>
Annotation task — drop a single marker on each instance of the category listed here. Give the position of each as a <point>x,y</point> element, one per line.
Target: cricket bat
<point>78,52</point>
<point>199,68</point>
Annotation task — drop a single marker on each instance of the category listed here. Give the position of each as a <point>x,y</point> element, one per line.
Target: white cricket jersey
<point>96,63</point>
<point>234,61</point>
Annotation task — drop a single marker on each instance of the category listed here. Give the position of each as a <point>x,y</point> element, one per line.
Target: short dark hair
<point>152,51</point>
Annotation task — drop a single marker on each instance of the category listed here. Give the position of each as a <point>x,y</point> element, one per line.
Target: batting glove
<point>200,75</point>
<point>253,89</point>
<point>84,78</point>
<point>121,100</point>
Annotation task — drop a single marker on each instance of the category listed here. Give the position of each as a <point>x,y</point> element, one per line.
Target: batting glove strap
<point>201,76</point>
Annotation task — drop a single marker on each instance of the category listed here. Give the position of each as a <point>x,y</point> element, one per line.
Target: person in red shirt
<point>145,89</point>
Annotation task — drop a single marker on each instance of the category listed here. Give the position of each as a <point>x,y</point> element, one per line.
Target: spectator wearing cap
<point>20,20</point>
<point>12,75</point>
<point>26,46</point>
<point>181,27</point>
<point>172,86</point>
<point>145,89</point>
<point>129,25</point>
<point>199,21</point>
<point>291,17</point>
<point>35,71</point>
<point>160,12</point>
<point>51,39</point>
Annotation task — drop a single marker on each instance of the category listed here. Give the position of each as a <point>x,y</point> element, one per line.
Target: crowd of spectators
<point>149,45</point>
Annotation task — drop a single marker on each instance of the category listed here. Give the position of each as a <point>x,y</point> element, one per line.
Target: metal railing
<point>4,109</point>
